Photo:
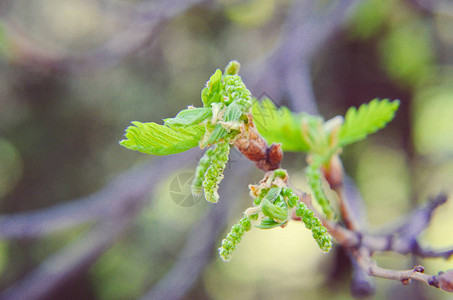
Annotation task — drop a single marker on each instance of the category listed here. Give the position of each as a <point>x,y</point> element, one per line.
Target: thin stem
<point>334,174</point>
<point>363,258</point>
<point>354,239</point>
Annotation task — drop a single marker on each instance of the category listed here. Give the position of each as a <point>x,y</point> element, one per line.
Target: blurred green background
<point>59,134</point>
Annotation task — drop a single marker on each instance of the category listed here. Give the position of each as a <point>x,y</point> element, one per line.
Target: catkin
<point>214,173</point>
<point>234,237</point>
<point>200,171</point>
<point>312,223</point>
<point>314,177</point>
<point>237,91</point>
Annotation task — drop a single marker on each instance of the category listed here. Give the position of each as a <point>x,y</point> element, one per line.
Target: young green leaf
<point>233,112</point>
<point>368,119</point>
<point>190,116</point>
<point>280,125</point>
<point>213,92</point>
<point>273,193</point>
<point>274,211</point>
<point>155,139</point>
<point>218,133</point>
<point>268,224</point>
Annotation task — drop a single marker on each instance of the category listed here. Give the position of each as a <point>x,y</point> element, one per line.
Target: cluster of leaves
<point>274,204</point>
<point>227,105</point>
<point>226,102</point>
<point>321,140</point>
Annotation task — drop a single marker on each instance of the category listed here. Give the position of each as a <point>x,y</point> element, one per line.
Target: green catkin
<point>200,171</point>
<point>237,91</point>
<point>234,237</point>
<point>312,223</point>
<point>214,173</point>
<point>314,177</point>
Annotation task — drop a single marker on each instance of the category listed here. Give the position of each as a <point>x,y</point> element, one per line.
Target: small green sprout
<point>226,103</point>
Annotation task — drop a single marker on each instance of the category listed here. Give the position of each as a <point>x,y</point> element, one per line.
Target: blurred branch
<point>420,219</point>
<point>403,239</point>
<point>198,249</point>
<point>144,24</point>
<point>362,285</point>
<point>430,7</point>
<point>423,252</point>
<point>114,198</point>
<point>389,242</point>
<point>363,257</point>
<point>355,202</point>
<point>361,246</point>
<point>117,205</point>
<point>74,259</point>
<point>309,26</point>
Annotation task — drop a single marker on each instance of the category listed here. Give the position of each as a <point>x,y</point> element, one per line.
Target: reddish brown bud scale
<point>419,269</point>
<point>275,155</point>
<point>446,281</point>
<point>253,146</point>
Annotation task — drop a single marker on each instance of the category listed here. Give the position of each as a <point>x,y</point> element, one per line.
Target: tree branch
<point>361,246</point>
<point>120,193</point>
<point>362,285</point>
<point>420,218</point>
<point>446,254</point>
<point>288,69</point>
<point>74,259</point>
<point>444,282</point>
<point>143,26</point>
<point>128,195</point>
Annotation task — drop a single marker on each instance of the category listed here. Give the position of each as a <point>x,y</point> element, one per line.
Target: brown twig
<point>334,176</point>
<point>443,280</point>
<point>363,257</point>
<point>361,246</point>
